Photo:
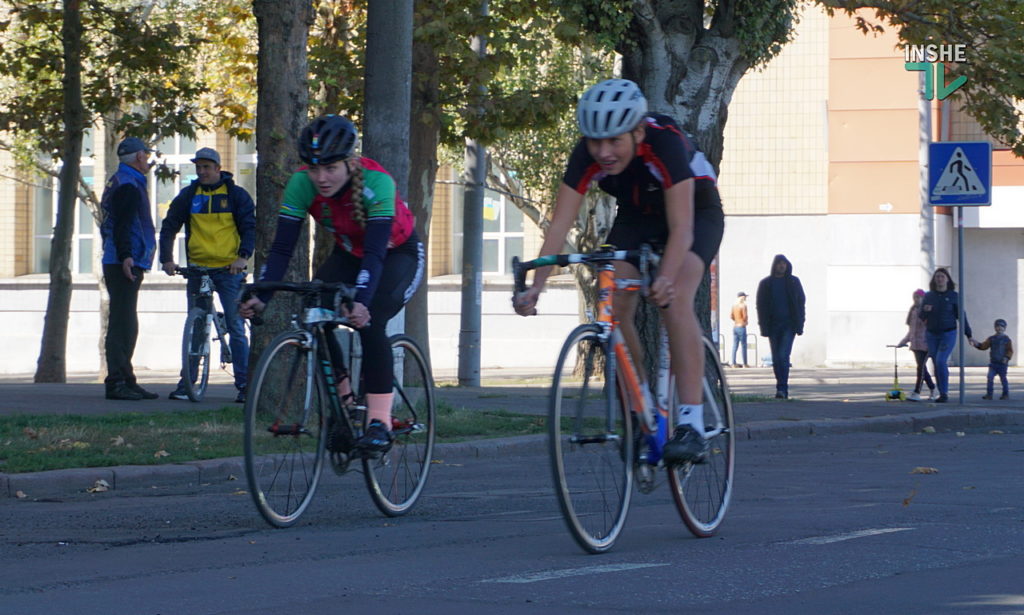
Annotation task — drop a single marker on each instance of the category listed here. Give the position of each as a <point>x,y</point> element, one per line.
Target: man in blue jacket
<point>129,241</point>
<point>780,315</point>
<point>220,231</point>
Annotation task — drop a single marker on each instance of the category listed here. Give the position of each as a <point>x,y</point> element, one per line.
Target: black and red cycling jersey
<point>665,157</point>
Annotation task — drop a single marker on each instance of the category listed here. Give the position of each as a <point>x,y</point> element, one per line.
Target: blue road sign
<point>960,173</point>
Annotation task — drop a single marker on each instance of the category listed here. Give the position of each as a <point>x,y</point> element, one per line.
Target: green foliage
<point>993,33</point>
<point>227,63</point>
<point>764,28</point>
<point>136,68</point>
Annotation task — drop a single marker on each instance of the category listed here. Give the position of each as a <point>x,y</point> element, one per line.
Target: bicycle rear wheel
<point>591,443</point>
<point>195,354</point>
<point>702,491</point>
<point>396,479</point>
<point>284,420</point>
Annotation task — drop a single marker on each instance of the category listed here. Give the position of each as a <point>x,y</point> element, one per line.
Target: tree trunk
<point>52,366</point>
<point>281,78</point>
<point>424,134</point>
<point>689,73</point>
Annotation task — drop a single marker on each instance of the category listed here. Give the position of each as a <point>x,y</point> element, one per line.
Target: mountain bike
<point>202,321</point>
<point>606,430</point>
<point>293,409</point>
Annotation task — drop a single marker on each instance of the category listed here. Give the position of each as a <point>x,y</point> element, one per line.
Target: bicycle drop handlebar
<point>645,257</point>
<point>343,293</point>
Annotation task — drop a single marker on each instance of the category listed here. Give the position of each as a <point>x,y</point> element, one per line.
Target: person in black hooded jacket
<point>780,316</point>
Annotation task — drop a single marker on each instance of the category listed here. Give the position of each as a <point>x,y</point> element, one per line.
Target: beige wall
<point>775,158</point>
<point>15,222</point>
<point>873,124</point>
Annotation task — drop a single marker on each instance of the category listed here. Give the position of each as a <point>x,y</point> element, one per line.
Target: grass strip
<point>34,443</point>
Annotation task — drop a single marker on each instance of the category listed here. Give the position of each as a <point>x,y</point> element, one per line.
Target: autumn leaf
<point>161,453</point>
<point>924,470</point>
<point>20,494</point>
<point>30,433</point>
<point>906,500</point>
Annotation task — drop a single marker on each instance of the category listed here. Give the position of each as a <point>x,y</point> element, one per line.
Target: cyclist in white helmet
<point>667,196</point>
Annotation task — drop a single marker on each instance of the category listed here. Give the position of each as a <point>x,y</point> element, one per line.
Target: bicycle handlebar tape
<point>518,275</point>
<point>244,295</point>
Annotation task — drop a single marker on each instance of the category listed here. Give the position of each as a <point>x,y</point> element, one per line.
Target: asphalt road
<point>829,524</point>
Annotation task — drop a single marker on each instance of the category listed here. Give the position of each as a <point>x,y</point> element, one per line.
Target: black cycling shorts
<point>629,231</point>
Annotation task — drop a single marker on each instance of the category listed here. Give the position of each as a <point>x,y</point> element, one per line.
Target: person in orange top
<point>739,328</point>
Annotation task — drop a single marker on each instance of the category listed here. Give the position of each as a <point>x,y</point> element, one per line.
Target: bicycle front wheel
<point>702,491</point>
<point>195,354</point>
<point>591,443</point>
<point>396,479</point>
<point>284,422</point>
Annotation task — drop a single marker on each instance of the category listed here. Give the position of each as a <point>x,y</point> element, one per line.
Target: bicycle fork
<point>221,328</point>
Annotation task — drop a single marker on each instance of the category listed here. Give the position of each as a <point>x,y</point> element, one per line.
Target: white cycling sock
<point>691,414</point>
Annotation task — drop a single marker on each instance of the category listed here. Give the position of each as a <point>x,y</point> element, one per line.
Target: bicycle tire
<point>195,354</point>
<point>591,443</point>
<point>284,428</point>
<point>702,492</point>
<point>396,479</point>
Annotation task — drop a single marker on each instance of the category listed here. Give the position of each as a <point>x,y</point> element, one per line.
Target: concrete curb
<point>56,483</point>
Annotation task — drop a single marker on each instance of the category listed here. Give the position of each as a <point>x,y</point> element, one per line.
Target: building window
<point>84,237</point>
<point>503,233</point>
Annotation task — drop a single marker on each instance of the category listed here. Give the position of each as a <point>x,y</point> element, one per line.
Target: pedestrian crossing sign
<point>960,173</point>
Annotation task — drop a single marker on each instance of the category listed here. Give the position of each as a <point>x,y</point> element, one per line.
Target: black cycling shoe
<point>685,446</point>
<point>376,441</point>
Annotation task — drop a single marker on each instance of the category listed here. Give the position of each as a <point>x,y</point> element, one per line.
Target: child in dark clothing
<point>1000,348</point>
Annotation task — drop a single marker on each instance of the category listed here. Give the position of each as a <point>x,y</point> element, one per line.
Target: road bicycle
<point>293,408</point>
<point>606,428</point>
<point>202,322</point>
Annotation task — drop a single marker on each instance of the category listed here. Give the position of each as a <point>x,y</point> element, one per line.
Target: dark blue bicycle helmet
<point>327,139</point>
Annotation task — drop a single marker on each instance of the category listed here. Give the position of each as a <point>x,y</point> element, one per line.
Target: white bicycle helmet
<point>610,108</point>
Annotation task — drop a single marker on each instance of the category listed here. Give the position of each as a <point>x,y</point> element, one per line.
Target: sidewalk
<point>824,402</point>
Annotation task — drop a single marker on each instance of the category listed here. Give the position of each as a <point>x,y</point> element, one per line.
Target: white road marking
<point>569,572</point>
<point>824,540</point>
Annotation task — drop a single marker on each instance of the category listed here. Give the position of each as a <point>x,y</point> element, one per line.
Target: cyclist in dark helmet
<point>376,249</point>
<point>667,196</point>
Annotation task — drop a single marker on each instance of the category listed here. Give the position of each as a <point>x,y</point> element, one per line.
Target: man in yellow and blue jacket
<point>220,231</point>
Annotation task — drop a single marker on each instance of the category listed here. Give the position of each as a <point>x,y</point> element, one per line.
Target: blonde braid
<point>358,182</point>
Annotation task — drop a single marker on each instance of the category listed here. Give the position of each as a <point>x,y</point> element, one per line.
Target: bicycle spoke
<point>283,431</point>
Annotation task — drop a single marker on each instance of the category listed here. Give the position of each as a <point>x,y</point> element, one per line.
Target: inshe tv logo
<point>932,59</point>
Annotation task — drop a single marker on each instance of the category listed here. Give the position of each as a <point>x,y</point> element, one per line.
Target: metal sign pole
<point>960,295</point>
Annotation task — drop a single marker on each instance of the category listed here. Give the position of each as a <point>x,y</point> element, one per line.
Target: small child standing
<point>1000,348</point>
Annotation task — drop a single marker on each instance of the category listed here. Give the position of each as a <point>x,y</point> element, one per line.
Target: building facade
<point>824,158</point>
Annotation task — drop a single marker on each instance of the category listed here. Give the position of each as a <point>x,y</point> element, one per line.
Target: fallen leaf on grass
<point>161,453</point>
<point>30,433</point>
<point>99,486</point>
<point>118,441</point>
<point>924,470</point>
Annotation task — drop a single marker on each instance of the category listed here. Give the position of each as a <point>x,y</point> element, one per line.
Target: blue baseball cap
<point>131,145</point>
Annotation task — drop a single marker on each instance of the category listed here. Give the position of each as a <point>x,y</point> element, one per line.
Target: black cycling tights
<point>401,275</point>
